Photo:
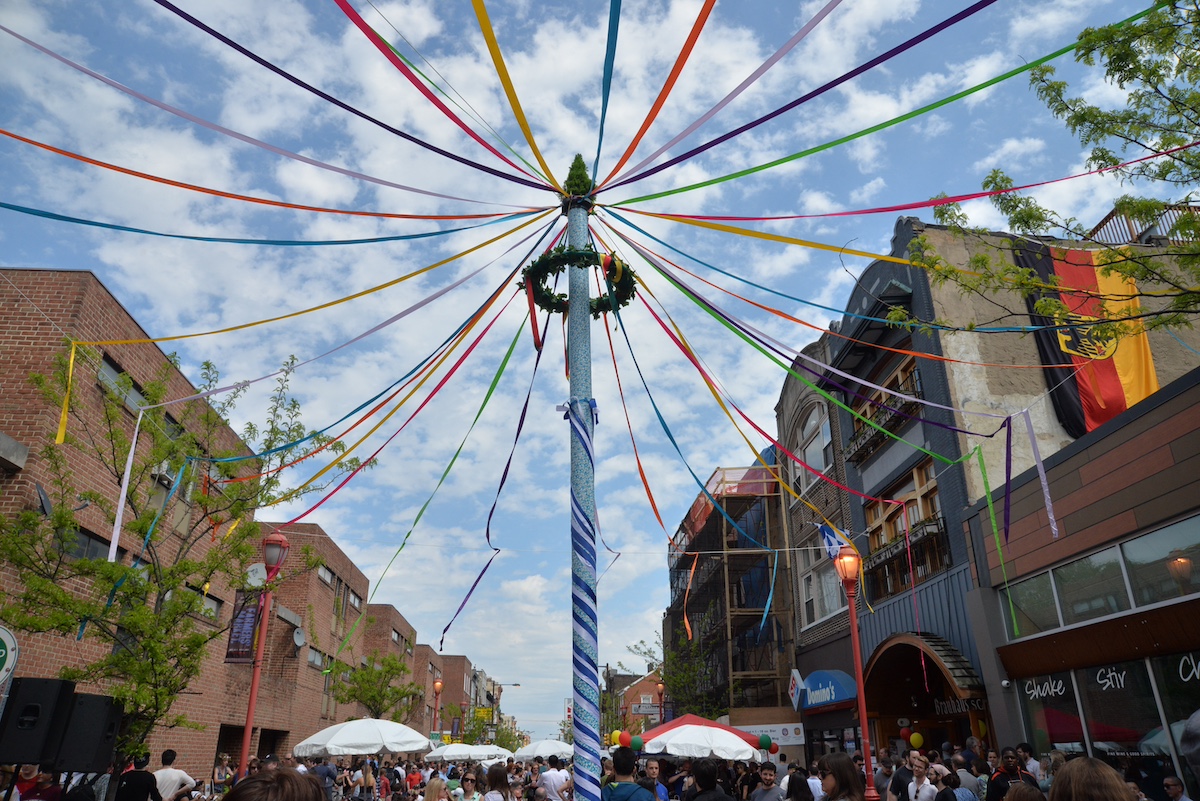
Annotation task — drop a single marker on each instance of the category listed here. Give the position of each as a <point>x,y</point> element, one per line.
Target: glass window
<point>1051,713</point>
<point>1091,587</point>
<point>355,601</point>
<point>814,448</point>
<point>326,574</point>
<point>820,588</point>
<point>1178,678</point>
<point>395,636</point>
<point>1162,564</point>
<point>1118,704</point>
<point>1033,606</point>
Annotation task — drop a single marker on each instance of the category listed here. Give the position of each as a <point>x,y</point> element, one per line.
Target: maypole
<point>578,257</point>
<point>581,412</point>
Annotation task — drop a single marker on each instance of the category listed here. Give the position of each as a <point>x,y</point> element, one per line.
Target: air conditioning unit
<point>162,474</point>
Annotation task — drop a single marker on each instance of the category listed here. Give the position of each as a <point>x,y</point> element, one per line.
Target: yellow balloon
<point>916,740</point>
<point>982,729</point>
<point>615,737</point>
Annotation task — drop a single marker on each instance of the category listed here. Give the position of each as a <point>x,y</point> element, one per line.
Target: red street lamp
<point>437,704</point>
<point>661,688</point>
<point>847,565</point>
<point>275,551</point>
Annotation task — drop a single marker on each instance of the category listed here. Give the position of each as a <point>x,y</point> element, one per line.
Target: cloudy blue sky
<point>517,626</point>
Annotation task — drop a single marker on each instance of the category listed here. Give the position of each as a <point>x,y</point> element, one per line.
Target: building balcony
<point>897,565</point>
<point>868,439</point>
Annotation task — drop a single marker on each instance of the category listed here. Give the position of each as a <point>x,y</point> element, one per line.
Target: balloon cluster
<point>913,738</point>
<point>626,739</point>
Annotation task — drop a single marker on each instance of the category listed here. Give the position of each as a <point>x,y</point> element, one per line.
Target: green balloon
<point>636,743</point>
<point>764,741</point>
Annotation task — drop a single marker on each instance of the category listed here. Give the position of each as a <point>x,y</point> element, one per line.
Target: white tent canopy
<point>455,752</point>
<point>365,736</point>
<point>545,749</point>
<point>695,742</point>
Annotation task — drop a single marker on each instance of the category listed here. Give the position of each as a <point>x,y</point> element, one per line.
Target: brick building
<point>314,611</point>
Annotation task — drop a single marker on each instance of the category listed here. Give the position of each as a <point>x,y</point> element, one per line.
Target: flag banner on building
<point>240,649</point>
<point>1098,378</point>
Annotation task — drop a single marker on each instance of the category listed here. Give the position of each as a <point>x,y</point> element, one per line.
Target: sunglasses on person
<point>470,779</point>
<point>824,773</point>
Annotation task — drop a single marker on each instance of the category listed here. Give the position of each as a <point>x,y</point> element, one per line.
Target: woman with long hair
<point>497,782</point>
<point>840,780</point>
<point>436,790</point>
<point>798,789</point>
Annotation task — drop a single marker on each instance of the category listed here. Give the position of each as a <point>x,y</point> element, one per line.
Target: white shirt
<point>818,791</point>
<point>926,792</point>
<point>553,780</point>
<point>1034,767</point>
<point>171,780</point>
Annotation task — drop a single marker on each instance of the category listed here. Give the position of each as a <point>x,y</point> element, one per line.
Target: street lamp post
<point>661,688</point>
<point>275,551</point>
<point>847,564</point>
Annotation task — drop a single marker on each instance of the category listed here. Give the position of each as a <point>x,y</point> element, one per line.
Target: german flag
<point>1106,376</point>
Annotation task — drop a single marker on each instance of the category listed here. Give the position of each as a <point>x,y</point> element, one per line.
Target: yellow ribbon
<point>489,36</point>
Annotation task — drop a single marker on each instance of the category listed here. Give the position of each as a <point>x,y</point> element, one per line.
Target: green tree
<point>682,668</point>
<point>1155,60</point>
<point>380,687</point>
<point>148,615</point>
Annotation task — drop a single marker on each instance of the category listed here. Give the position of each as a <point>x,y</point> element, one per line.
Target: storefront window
<point>1032,605</point>
<point>1091,587</point>
<point>1161,564</point>
<point>1122,720</point>
<point>1178,678</point>
<point>1051,713</point>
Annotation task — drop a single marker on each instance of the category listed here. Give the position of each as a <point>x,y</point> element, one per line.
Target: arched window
<point>814,446</point>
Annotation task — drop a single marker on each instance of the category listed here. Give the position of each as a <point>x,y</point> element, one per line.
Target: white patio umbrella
<point>364,736</point>
<point>695,742</point>
<point>545,749</point>
<point>454,752</point>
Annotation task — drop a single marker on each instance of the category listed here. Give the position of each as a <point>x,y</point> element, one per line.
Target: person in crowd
<point>768,790</point>
<point>979,769</point>
<point>222,775</point>
<point>138,784</point>
<point>468,787</point>
<point>27,777</point>
<point>705,772</point>
<point>748,782</point>
<point>798,789</point>
<point>1011,772</point>
<point>993,761</point>
<point>1051,764</point>
<point>883,775</point>
<point>939,777</point>
<point>173,783</point>
<point>1088,779</point>
<point>920,788</point>
<point>971,752</point>
<point>327,775</point>
<point>901,777</point>
<point>860,765</point>
<point>623,787</point>
<point>284,784</point>
<point>1135,792</point>
<point>1030,760</point>
<point>1174,787</point>
<point>1023,792</point>
<point>497,783</point>
<point>384,785</point>
<point>436,790</point>
<point>47,787</point>
<point>961,793</point>
<point>680,780</point>
<point>966,780</point>
<point>413,776</point>
<point>839,779</point>
<point>652,773</point>
<point>813,780</point>
<point>556,780</point>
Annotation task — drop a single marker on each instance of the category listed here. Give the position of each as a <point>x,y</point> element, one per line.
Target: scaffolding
<point>739,602</point>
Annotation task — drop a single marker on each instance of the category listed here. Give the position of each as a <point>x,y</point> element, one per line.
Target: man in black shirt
<point>901,777</point>
<point>138,784</point>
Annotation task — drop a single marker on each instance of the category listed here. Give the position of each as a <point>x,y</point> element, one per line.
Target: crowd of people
<point>959,774</point>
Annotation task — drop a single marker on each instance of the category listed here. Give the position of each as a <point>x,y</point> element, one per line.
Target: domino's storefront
<point>827,699</point>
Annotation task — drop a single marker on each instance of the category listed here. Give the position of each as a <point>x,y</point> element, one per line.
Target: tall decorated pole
<point>581,413</point>
<point>578,257</point>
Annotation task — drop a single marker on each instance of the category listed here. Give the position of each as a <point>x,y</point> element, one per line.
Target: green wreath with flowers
<point>619,276</point>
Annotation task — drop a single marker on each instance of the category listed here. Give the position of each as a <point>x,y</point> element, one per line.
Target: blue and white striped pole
<point>580,412</point>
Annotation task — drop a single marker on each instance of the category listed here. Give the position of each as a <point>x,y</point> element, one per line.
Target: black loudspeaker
<point>91,734</point>
<point>35,719</point>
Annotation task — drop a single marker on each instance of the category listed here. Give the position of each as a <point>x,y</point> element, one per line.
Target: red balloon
<point>905,733</point>
<point>774,749</point>
<point>626,738</point>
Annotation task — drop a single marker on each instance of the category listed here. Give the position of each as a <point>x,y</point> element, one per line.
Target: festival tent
<point>363,736</point>
<point>545,749</point>
<point>693,736</point>
<point>455,752</point>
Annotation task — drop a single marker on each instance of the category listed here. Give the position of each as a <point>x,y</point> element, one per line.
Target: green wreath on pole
<point>536,277</point>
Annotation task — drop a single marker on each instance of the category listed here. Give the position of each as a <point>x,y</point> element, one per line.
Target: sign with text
<point>828,687</point>
<point>784,734</point>
<point>796,689</point>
